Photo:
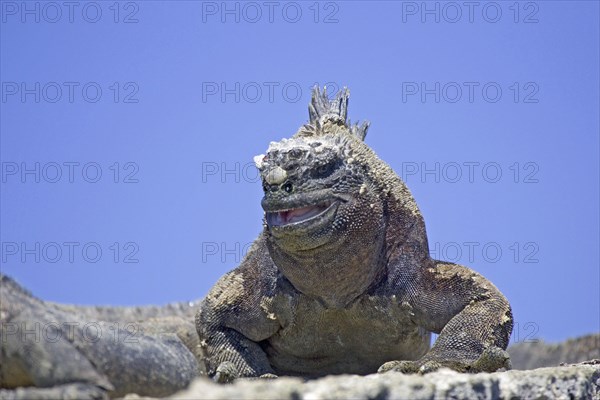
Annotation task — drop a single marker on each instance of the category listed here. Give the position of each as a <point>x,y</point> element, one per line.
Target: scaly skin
<point>340,280</point>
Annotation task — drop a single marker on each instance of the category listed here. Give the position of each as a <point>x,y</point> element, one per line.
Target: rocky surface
<point>581,381</point>
<point>537,354</point>
<point>51,351</point>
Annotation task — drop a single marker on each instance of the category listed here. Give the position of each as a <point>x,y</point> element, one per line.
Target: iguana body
<point>340,280</point>
<point>61,351</point>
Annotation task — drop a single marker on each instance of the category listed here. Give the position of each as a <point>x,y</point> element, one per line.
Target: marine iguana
<point>340,279</point>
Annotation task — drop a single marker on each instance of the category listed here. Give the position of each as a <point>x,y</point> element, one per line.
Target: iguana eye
<point>323,171</point>
<point>287,187</point>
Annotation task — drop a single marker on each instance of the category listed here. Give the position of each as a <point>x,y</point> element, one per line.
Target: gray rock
<point>537,354</point>
<point>581,381</point>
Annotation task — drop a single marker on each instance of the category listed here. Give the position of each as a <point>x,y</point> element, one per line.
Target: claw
<point>429,366</point>
<point>492,359</point>
<point>226,372</point>
<point>406,367</point>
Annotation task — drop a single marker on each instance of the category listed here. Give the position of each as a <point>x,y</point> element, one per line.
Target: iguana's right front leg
<point>234,317</point>
<point>231,355</point>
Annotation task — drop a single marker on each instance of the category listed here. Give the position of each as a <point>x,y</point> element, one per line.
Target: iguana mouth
<point>297,215</point>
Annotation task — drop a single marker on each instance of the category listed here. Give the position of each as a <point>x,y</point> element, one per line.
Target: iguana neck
<point>334,274</point>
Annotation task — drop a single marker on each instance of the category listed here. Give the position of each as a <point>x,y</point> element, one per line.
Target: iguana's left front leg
<point>473,319</point>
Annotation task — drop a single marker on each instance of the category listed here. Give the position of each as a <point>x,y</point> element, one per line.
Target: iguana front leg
<point>473,319</point>
<point>234,318</point>
<point>231,355</point>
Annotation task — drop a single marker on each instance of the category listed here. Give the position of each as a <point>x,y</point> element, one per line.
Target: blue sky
<point>128,131</point>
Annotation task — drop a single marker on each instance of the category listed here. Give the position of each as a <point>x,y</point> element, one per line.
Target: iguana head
<point>312,184</point>
<point>326,203</point>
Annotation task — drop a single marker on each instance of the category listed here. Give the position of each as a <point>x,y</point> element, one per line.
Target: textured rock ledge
<point>577,381</point>
<point>538,354</point>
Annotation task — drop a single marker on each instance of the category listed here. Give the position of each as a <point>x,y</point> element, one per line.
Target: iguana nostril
<point>287,187</point>
<point>269,188</point>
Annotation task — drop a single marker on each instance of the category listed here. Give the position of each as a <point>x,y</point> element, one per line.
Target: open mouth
<point>297,215</point>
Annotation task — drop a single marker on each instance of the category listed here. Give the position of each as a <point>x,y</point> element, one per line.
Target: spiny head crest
<point>331,116</point>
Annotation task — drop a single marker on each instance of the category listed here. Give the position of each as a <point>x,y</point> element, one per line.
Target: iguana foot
<point>406,367</point>
<point>430,366</point>
<point>492,359</point>
<point>410,367</point>
<point>226,372</point>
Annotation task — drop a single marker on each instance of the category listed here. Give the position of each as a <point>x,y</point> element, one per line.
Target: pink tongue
<point>298,212</point>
